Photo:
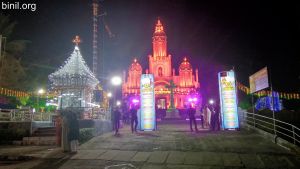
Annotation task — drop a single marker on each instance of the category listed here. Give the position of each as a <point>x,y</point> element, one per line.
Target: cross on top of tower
<point>159,27</point>
<point>76,40</point>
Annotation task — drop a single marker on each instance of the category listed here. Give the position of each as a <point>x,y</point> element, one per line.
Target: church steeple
<point>159,27</point>
<point>159,41</point>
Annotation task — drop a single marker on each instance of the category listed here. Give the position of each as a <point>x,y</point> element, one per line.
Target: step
<point>37,140</point>
<point>46,128</point>
<point>43,134</point>
<point>45,131</point>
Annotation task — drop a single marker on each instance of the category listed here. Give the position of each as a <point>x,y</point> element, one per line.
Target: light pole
<point>115,81</point>
<point>40,92</point>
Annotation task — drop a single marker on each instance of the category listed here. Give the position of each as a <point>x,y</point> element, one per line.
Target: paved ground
<point>174,147</point>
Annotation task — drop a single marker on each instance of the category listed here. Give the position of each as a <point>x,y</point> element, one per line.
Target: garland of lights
<point>74,72</point>
<point>282,95</point>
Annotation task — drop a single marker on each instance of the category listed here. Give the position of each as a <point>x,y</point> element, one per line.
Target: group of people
<point>133,118</point>
<point>209,117</point>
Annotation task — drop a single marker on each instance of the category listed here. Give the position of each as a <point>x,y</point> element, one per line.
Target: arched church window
<point>159,71</point>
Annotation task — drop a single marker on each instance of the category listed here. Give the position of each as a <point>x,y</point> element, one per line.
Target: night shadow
<point>50,163</point>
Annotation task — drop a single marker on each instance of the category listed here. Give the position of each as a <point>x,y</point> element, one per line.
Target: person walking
<point>134,120</point>
<point>117,116</point>
<point>191,113</point>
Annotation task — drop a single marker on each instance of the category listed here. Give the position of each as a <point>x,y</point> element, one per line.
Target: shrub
<point>86,134</point>
<point>9,135</point>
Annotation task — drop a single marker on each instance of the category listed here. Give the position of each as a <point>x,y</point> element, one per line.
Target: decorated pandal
<point>171,90</point>
<point>75,83</point>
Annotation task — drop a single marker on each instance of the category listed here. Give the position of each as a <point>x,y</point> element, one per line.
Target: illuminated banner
<point>147,117</point>
<point>228,100</point>
<point>259,80</point>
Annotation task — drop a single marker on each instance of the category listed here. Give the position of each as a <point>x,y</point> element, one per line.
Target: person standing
<point>74,131</point>
<point>208,116</point>
<point>204,112</point>
<point>213,119</point>
<point>117,116</point>
<point>134,120</point>
<point>202,117</point>
<point>58,127</point>
<point>191,112</point>
<point>217,117</point>
<point>65,144</point>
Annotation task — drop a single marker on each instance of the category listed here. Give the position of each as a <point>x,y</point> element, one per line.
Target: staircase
<point>45,131</point>
<point>41,136</point>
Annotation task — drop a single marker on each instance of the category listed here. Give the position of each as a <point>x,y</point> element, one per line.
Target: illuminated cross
<point>171,87</point>
<point>76,40</point>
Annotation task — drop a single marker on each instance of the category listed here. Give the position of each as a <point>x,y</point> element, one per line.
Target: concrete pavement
<point>172,146</point>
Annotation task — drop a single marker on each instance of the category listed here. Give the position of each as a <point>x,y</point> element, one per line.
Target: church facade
<point>184,86</point>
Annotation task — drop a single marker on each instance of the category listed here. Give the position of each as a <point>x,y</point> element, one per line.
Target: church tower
<point>160,62</point>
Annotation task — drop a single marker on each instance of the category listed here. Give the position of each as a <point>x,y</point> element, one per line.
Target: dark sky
<point>215,36</point>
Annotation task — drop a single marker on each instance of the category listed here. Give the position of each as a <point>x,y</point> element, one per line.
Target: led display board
<point>147,116</point>
<point>228,100</point>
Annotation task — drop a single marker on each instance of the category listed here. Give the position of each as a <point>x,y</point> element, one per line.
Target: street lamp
<point>118,103</point>
<point>109,94</point>
<point>116,80</point>
<point>211,101</point>
<point>41,91</point>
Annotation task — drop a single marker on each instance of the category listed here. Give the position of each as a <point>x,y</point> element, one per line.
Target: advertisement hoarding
<point>228,100</point>
<point>259,80</point>
<point>147,116</point>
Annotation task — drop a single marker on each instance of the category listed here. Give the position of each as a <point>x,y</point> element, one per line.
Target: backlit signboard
<point>228,100</point>
<point>147,116</point>
<point>259,80</point>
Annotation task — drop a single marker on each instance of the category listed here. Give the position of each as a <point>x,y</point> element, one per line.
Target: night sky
<point>215,36</point>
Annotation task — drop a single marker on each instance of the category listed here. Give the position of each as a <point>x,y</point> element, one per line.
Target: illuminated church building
<point>186,83</point>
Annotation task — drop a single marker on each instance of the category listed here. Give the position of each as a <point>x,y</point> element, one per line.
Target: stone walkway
<point>174,147</point>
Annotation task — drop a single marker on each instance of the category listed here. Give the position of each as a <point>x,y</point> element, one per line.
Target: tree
<point>12,73</point>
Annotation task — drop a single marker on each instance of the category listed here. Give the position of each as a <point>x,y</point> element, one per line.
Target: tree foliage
<point>12,72</point>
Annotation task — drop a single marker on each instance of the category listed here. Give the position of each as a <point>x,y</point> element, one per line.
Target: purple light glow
<point>135,101</point>
<point>193,99</point>
<point>197,119</point>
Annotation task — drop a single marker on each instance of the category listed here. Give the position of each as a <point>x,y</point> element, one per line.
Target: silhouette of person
<point>191,112</point>
<point>134,120</point>
<point>117,116</point>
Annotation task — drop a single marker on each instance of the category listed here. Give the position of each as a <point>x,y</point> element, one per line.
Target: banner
<point>228,100</point>
<point>147,117</point>
<point>259,80</point>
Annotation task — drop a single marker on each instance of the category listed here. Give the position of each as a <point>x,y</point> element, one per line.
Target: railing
<point>27,115</point>
<point>24,115</point>
<point>100,113</point>
<point>276,127</point>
